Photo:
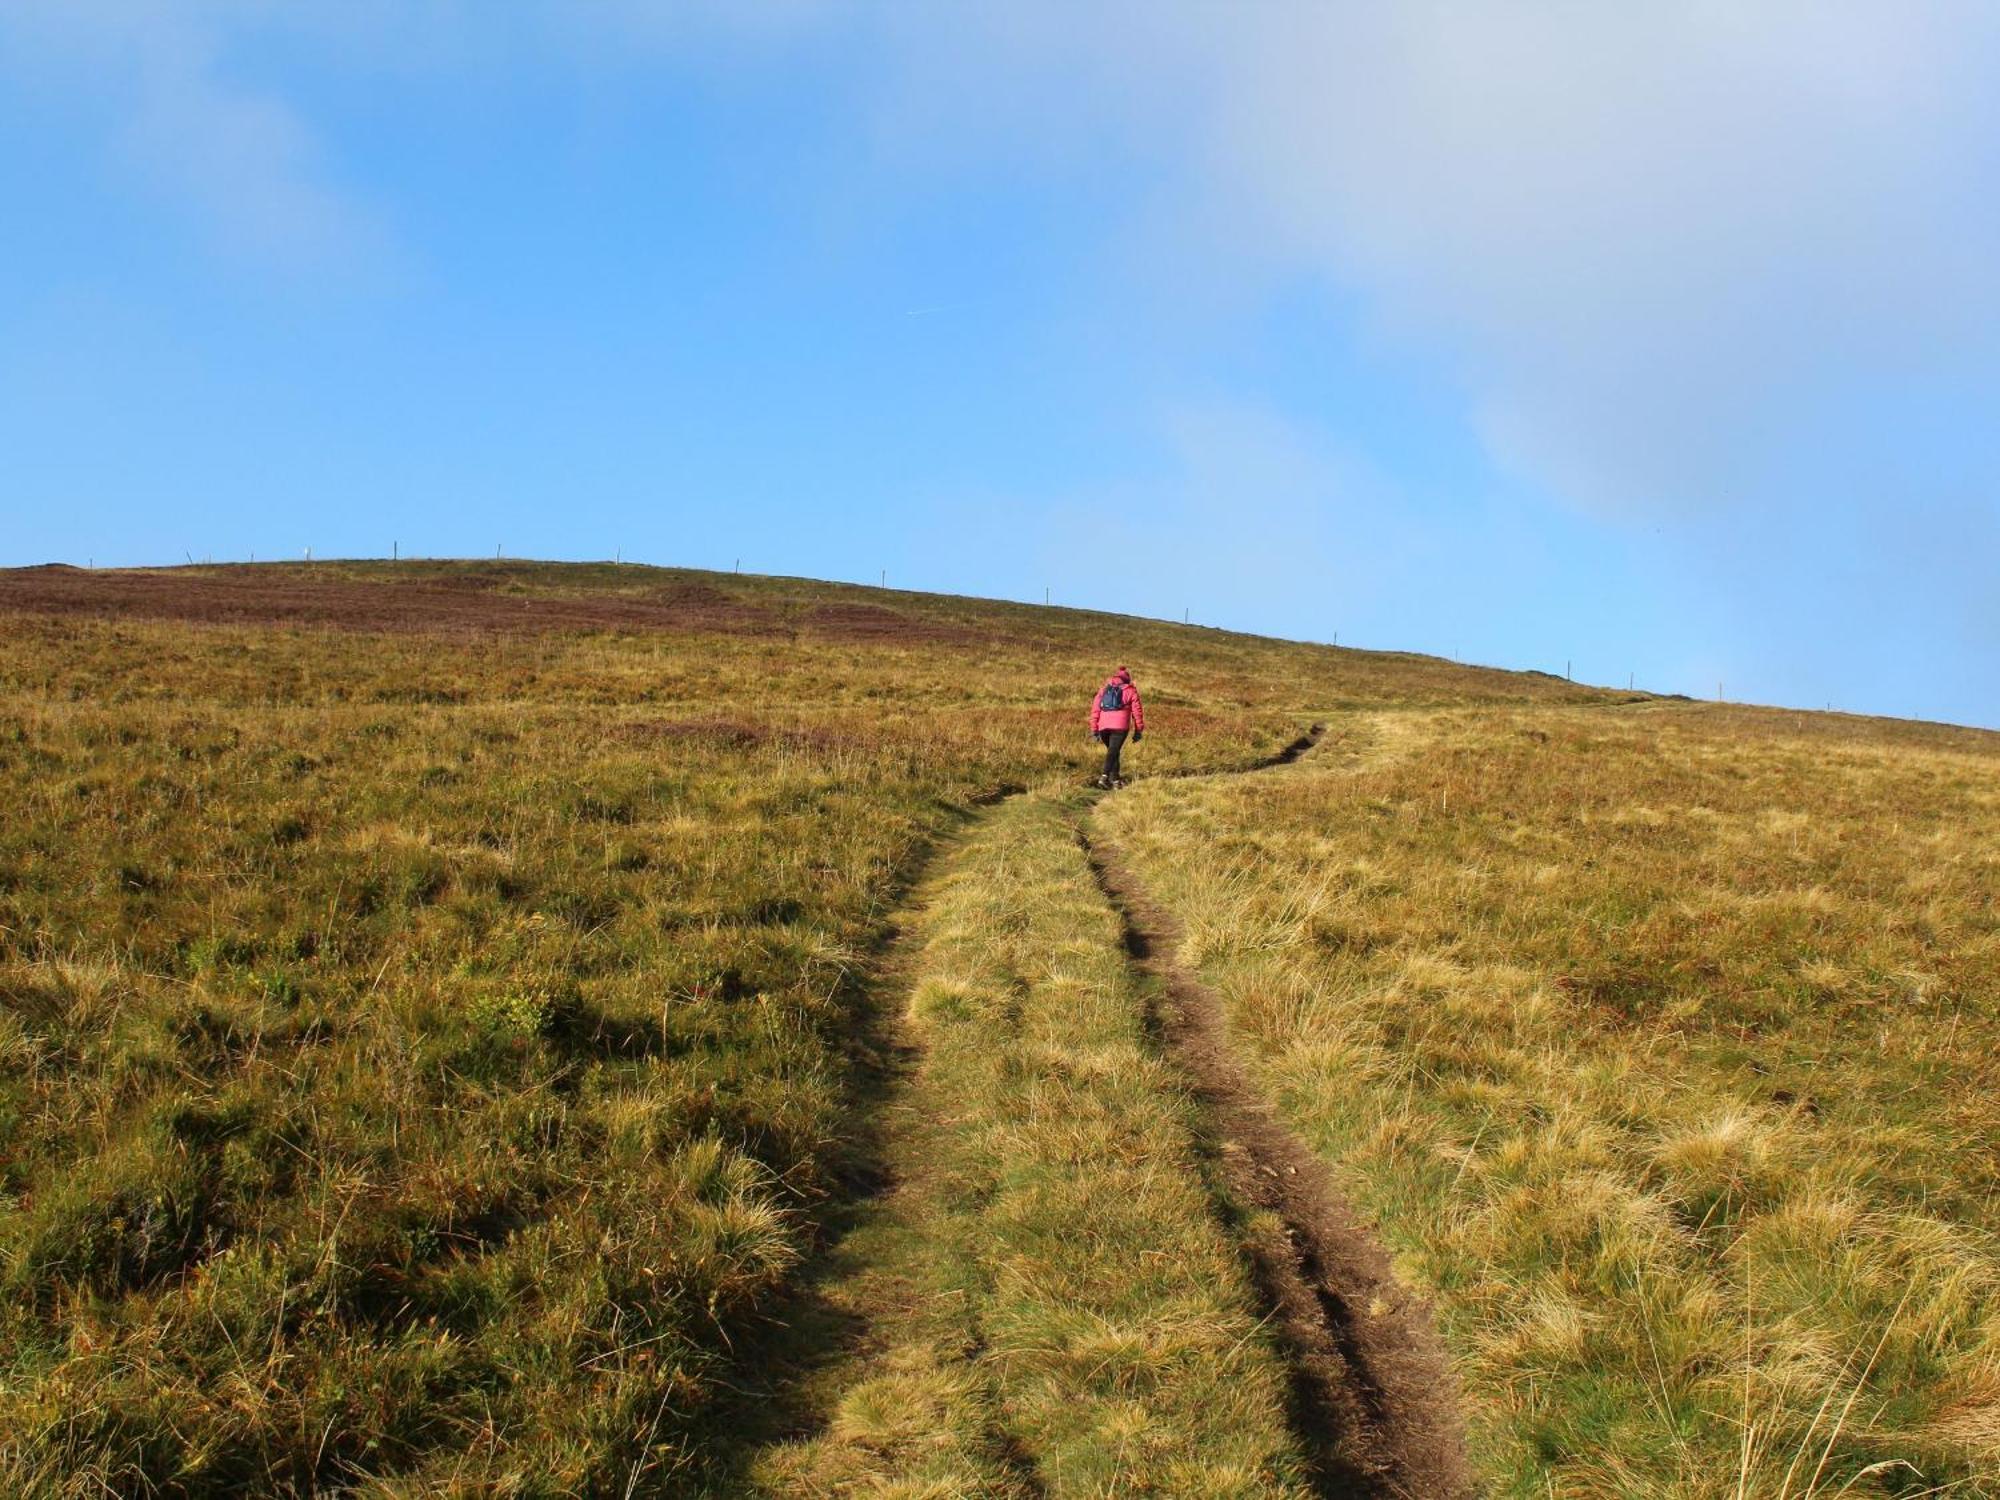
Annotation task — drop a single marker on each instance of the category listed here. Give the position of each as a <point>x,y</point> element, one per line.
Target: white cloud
<point>1660,246</point>
<point>1650,239</point>
<point>1256,521</point>
<point>150,77</point>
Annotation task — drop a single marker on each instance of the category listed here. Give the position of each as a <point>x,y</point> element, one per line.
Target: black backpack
<point>1113,700</point>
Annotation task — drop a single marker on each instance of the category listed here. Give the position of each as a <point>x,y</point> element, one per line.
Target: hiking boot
<point>1117,782</point>
<point>1102,783</point>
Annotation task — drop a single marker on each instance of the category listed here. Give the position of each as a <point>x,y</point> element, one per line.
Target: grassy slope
<point>426,1051</point>
<point>1062,1313</point>
<point>1660,1042</point>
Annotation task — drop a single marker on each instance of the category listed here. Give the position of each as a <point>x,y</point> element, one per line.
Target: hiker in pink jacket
<point>1115,712</point>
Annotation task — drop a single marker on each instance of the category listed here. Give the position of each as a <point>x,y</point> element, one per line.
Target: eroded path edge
<point>1042,1302</point>
<point>1375,1404</point>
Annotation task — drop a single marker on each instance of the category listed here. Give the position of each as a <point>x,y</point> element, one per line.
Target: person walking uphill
<point>1114,713</point>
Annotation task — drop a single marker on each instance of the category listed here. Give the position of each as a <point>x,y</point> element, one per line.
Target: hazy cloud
<point>1653,241</point>
<point>151,77</point>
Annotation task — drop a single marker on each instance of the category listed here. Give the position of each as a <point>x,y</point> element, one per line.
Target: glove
<point>1138,735</point>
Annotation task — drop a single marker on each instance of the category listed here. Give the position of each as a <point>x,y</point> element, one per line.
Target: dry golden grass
<point>1660,1042</point>
<point>429,1027</point>
<point>1054,1308</point>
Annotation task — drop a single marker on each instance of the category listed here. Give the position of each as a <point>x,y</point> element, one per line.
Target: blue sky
<point>1663,341</point>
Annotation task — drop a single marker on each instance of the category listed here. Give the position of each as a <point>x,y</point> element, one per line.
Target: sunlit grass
<point>1053,1270</point>
<point>1660,1045</point>
<point>424,1054</point>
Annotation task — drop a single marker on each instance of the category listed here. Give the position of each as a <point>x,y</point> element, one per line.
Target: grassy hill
<point>447,1025</point>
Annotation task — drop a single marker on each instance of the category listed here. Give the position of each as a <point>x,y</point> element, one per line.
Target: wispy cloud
<point>1655,242</point>
<point>150,78</point>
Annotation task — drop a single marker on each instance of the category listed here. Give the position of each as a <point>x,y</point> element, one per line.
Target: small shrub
<point>278,987</point>
<point>521,1013</point>
<point>217,953</point>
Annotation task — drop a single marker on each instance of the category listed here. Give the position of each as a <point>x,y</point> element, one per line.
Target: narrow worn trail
<point>917,1394</point>
<point>1374,1403</point>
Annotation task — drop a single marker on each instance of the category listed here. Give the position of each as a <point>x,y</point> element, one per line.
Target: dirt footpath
<point>1374,1400</point>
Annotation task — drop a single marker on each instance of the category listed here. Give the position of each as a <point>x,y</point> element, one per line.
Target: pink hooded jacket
<point>1131,716</point>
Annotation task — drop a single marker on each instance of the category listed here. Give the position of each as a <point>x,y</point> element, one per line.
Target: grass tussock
<point>1057,1309</point>
<point>1661,1046</point>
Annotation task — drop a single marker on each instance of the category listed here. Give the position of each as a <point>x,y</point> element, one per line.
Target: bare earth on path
<point>1046,1301</point>
<point>1374,1398</point>
<point>1223,1325</point>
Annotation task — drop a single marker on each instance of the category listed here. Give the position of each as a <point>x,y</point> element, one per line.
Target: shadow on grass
<point>781,1359</point>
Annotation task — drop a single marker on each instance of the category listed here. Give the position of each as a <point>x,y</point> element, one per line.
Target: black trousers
<point>1114,741</point>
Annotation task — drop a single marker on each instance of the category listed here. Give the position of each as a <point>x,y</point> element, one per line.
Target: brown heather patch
<point>459,600</point>
<point>873,623</point>
<point>456,602</point>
